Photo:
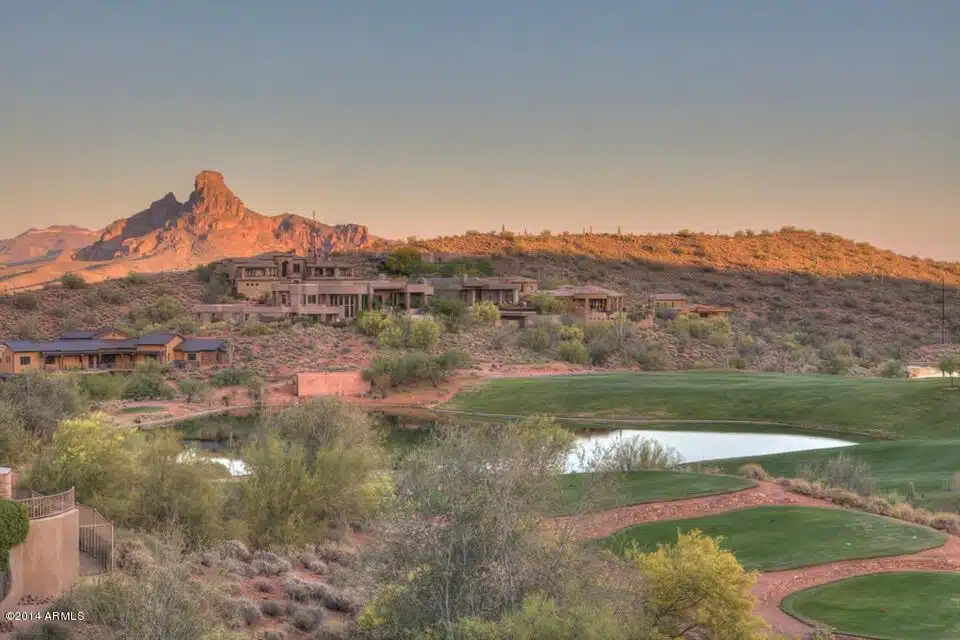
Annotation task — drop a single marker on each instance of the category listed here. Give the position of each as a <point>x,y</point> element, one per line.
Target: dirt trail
<point>772,587</point>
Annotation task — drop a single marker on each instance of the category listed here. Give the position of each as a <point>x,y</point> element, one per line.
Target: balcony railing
<point>45,506</point>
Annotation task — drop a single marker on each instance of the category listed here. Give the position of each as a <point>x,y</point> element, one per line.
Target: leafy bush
<point>164,309</point>
<point>651,357</point>
<point>537,338</point>
<point>27,328</point>
<point>573,351</point>
<point>14,526</point>
<point>573,333</point>
<point>26,301</point>
<point>391,336</point>
<point>547,305</point>
<point>424,334</point>
<point>484,312</point>
<point>391,371</point>
<point>40,401</point>
<point>452,314</point>
<point>73,281</point>
<point>371,323</point>
<point>194,389</point>
<point>842,472</point>
<point>633,454</point>
<point>137,279</point>
<point>253,329</point>
<point>232,377</point>
<point>147,384</point>
<point>404,261</point>
<point>101,387</point>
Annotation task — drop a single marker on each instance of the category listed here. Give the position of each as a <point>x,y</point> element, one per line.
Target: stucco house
<point>590,301</point>
<point>284,285</point>
<point>106,349</point>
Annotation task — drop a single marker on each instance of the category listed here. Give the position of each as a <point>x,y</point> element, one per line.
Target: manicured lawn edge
<point>785,605</point>
<point>601,543</point>
<point>693,496</point>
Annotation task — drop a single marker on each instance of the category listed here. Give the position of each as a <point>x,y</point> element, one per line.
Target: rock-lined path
<point>772,587</point>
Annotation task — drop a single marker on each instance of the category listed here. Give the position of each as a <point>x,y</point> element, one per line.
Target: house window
<point>192,357</point>
<point>296,267</point>
<point>50,360</point>
<point>311,299</point>
<point>24,361</point>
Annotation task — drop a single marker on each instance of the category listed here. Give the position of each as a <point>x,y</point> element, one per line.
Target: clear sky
<point>436,116</point>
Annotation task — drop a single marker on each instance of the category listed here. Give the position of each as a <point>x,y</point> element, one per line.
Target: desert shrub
<point>26,301</point>
<point>254,329</point>
<point>846,472</point>
<point>87,454</point>
<point>537,338</point>
<point>41,401</point>
<point>893,369</point>
<point>112,296</point>
<point>503,337</point>
<point>753,471</point>
<point>147,384</point>
<point>194,389</point>
<point>159,603</point>
<point>306,619</point>
<point>46,630</point>
<point>651,357</point>
<point>484,312</point>
<point>391,336</point>
<point>302,486</point>
<point>73,281</point>
<point>573,333</point>
<point>232,377</point>
<point>424,334</point>
<point>164,309</point>
<point>101,387</point>
<point>391,371</point>
<point>633,454</point>
<point>137,279</point>
<point>547,305</point>
<point>173,491</point>
<point>16,443</point>
<point>14,526</point>
<point>573,351</point>
<point>371,323</point>
<point>452,314</point>
<point>27,328</point>
<point>836,357</point>
<point>58,311</point>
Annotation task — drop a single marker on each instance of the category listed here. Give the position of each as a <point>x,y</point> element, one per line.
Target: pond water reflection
<point>701,446</point>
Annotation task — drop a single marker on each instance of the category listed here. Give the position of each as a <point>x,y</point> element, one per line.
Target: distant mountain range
<point>211,224</point>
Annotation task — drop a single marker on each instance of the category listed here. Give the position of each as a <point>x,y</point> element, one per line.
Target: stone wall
<point>337,383</point>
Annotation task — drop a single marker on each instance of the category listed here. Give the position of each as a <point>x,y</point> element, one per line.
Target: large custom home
<point>280,285</point>
<point>107,349</point>
<point>589,301</point>
<point>682,304</point>
<point>501,290</point>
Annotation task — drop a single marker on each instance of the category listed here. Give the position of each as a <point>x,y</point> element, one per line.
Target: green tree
<point>697,589</point>
<point>90,456</point>
<point>41,401</point>
<point>949,366</point>
<point>404,261</point>
<point>194,389</point>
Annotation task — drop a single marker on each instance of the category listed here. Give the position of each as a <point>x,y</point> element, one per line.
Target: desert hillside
<point>788,250</point>
<point>782,320</point>
<point>50,243</point>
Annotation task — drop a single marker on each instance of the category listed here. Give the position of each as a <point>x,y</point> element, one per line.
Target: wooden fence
<point>44,506</point>
<point>96,542</point>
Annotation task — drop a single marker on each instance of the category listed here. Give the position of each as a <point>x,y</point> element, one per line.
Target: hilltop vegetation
<point>801,301</point>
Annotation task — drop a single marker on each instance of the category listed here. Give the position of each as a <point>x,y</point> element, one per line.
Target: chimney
<point>6,483</point>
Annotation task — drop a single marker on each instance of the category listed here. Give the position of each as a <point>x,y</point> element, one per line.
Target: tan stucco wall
<point>345,383</point>
<point>48,562</point>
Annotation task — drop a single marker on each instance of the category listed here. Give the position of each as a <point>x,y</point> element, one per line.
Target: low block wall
<point>337,383</point>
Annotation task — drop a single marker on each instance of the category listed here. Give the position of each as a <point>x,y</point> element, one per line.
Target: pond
<point>693,446</point>
<point>702,446</point>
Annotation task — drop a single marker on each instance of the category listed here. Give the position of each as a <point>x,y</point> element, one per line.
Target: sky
<point>434,117</point>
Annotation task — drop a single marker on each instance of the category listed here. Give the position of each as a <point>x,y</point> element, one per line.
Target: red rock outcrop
<point>214,223</point>
<point>35,245</point>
